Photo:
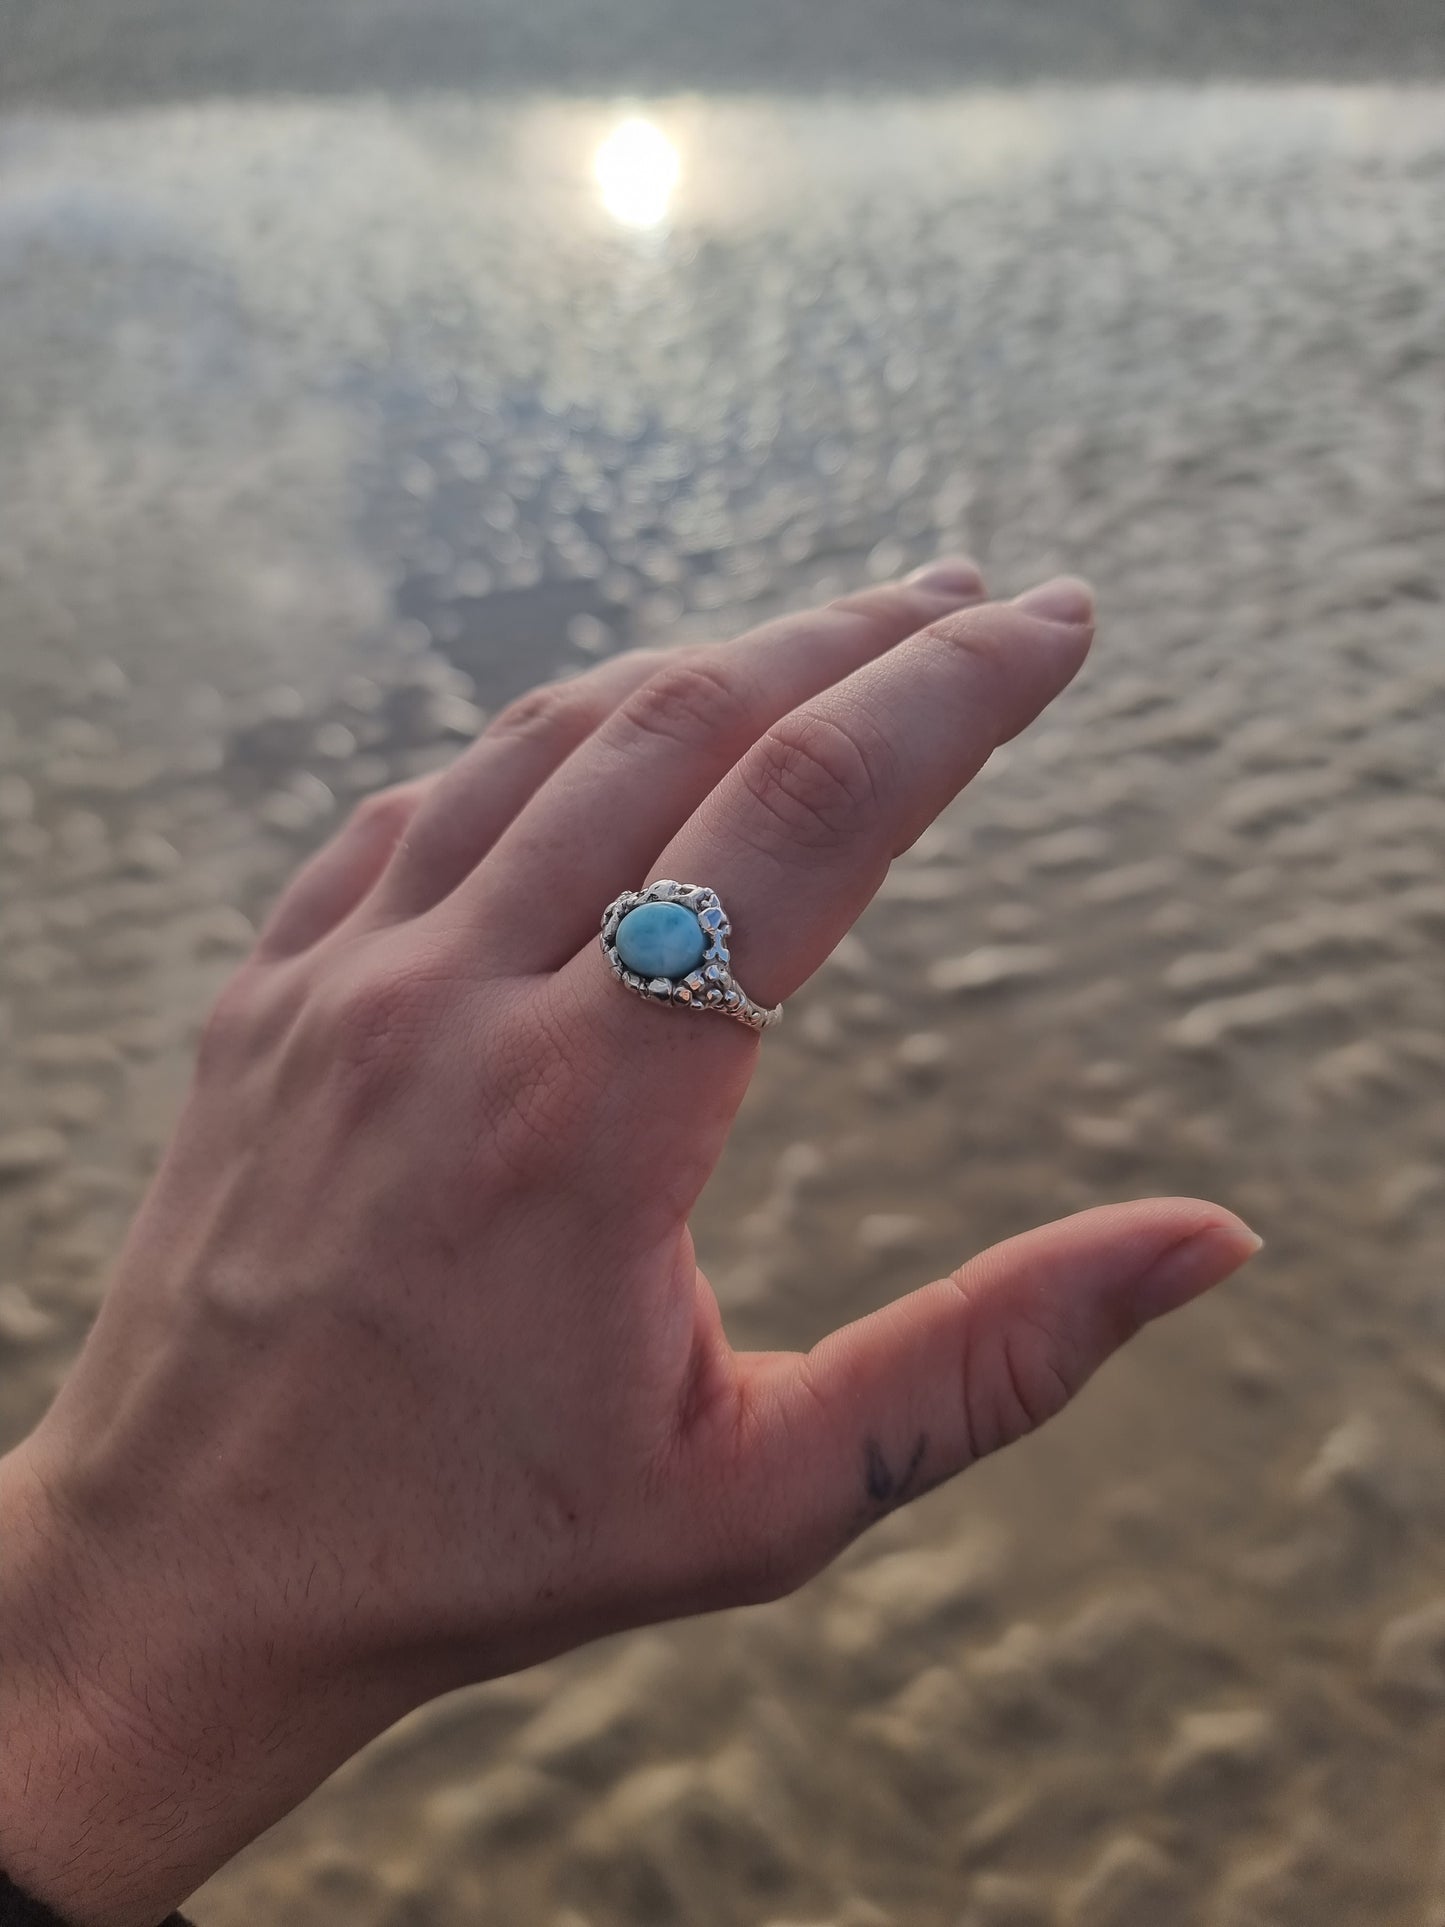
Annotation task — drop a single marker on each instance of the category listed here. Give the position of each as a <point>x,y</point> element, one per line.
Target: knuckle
<point>1029,1384</point>
<point>385,813</point>
<point>982,636</point>
<point>646,656</point>
<point>820,781</point>
<point>691,701</point>
<point>544,712</point>
<point>890,606</point>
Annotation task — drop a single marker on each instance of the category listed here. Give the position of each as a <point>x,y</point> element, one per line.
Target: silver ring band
<point>702,978</point>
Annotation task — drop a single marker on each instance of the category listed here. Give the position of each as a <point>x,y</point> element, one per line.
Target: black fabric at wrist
<point>17,1909</point>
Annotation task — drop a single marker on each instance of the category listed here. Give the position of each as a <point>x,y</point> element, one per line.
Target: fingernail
<point>1065,599</point>
<point>1192,1267</point>
<point>949,575</point>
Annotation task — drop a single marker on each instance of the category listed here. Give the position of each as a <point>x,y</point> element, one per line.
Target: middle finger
<point>594,828</point>
<point>799,835</point>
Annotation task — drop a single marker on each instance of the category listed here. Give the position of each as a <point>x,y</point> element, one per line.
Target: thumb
<point>889,1407</point>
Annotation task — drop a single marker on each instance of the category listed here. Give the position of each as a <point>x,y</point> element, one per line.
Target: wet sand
<point>325,428</point>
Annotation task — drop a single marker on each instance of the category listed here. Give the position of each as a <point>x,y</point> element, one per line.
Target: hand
<point>407,1376</point>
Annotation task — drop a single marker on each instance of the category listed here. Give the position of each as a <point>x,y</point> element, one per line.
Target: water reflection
<point>637,169</point>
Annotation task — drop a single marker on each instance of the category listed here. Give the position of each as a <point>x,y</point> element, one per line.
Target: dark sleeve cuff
<point>19,1910</point>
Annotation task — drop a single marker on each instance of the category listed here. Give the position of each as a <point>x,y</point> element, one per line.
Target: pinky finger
<point>343,872</point>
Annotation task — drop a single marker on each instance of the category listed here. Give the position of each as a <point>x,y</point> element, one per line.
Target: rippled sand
<point>325,429</point>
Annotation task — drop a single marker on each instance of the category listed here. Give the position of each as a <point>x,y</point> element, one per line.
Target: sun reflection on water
<point>637,168</point>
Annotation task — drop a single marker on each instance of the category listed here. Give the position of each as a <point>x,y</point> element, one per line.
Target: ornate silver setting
<point>712,986</point>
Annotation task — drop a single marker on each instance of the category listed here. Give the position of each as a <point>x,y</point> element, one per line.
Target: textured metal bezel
<point>711,987</point>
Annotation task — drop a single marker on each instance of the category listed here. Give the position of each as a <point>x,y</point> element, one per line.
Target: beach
<point>329,423</point>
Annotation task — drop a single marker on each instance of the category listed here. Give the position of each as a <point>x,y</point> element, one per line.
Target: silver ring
<point>685,967</point>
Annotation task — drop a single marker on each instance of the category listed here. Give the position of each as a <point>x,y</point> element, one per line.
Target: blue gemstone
<point>661,940</point>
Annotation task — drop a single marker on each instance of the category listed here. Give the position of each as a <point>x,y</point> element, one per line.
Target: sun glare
<point>637,169</point>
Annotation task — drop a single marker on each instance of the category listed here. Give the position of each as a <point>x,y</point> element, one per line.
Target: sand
<point>324,428</point>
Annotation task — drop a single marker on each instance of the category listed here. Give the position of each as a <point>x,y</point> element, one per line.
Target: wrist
<point>76,1760</point>
<point>139,1748</point>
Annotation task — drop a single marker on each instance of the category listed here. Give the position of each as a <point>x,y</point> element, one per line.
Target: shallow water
<point>323,429</point>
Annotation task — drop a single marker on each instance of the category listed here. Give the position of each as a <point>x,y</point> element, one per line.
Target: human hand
<point>407,1376</point>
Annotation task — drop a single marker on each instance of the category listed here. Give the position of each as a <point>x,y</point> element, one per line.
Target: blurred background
<point>364,363</point>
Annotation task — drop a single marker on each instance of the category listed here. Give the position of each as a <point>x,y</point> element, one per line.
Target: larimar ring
<point>669,943</point>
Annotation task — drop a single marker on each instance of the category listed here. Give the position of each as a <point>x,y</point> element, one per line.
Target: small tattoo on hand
<point>884,1487</point>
